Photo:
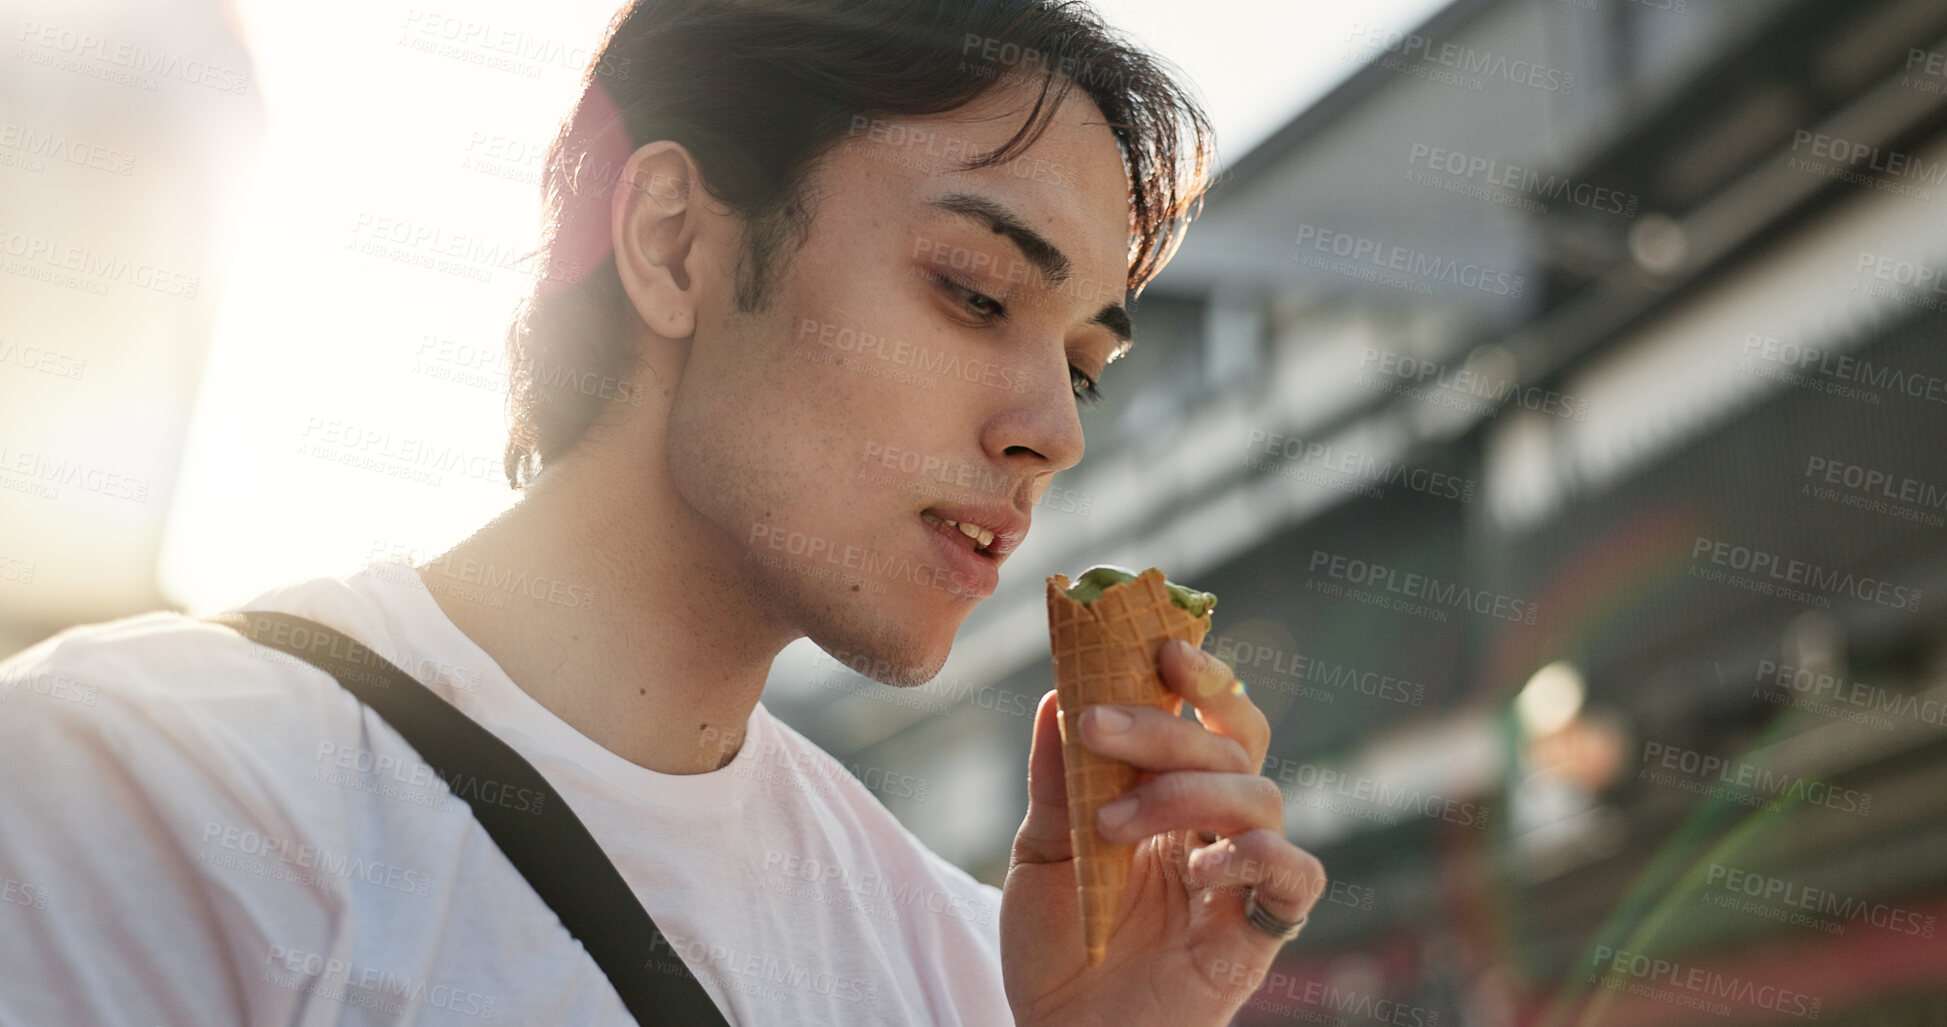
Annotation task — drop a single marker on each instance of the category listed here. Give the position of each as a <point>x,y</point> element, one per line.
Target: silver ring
<point>1283,930</point>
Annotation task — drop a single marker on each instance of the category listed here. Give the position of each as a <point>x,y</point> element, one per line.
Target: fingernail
<point>1212,677</point>
<point>1117,812</point>
<point>1110,720</point>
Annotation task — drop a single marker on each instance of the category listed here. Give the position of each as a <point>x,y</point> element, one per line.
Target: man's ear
<point>656,221</point>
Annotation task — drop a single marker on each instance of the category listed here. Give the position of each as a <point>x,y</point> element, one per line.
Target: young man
<point>783,234</point>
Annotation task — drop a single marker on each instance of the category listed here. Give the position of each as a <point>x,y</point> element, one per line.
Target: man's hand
<point>1181,953</point>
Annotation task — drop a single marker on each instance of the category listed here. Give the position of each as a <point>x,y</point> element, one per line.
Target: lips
<point>978,537</point>
<point>957,567</point>
<point>989,530</point>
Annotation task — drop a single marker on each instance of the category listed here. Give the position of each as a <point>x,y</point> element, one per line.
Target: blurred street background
<point>1553,392</point>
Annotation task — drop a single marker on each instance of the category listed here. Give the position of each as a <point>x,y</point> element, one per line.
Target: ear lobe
<point>655,226</point>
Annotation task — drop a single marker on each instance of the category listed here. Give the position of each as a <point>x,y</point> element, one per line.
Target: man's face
<point>916,363</point>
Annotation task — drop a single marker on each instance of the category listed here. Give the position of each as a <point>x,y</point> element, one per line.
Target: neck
<point>635,625</point>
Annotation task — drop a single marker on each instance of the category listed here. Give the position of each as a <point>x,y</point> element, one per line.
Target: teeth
<point>978,534</point>
<point>981,536</point>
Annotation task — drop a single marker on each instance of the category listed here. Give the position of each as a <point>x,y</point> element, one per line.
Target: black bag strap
<point>525,816</point>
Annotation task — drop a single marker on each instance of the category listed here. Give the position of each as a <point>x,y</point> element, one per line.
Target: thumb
<point>1044,837</point>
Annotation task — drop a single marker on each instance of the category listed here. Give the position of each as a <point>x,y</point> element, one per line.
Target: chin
<point>891,652</point>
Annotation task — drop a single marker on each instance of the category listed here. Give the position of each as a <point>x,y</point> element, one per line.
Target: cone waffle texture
<point>1106,652</point>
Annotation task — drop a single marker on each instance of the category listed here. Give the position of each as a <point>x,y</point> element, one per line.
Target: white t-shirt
<point>197,830</point>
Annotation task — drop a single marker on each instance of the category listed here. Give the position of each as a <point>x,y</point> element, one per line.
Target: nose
<point>1037,430</point>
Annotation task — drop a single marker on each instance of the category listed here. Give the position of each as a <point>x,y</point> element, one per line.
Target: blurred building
<point>1555,409</point>
<point>125,131</point>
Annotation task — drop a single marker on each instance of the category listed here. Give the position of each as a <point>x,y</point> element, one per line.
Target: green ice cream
<point>1099,579</point>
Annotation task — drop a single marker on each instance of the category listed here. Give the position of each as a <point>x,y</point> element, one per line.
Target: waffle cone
<point>1106,652</point>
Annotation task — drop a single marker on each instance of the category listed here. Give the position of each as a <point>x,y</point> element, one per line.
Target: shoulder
<point>172,674</point>
<point>135,753</point>
<point>174,715</point>
<point>160,671</point>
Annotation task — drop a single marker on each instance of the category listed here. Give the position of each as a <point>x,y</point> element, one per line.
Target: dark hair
<point>758,91</point>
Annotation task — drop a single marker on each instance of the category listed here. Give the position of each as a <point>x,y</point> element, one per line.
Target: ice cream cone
<point>1105,651</point>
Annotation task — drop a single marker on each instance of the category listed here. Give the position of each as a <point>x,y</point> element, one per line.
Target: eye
<point>1085,391</point>
<point>977,303</point>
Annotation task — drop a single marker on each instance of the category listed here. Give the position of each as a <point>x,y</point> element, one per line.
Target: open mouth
<point>978,538</point>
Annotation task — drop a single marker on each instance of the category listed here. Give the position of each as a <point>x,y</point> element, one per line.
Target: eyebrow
<point>1046,257</point>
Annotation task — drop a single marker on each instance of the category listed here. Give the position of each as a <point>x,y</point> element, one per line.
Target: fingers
<point>1209,686</point>
<point>1044,834</point>
<point>1152,739</point>
<point>1196,801</point>
<point>1288,880</point>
